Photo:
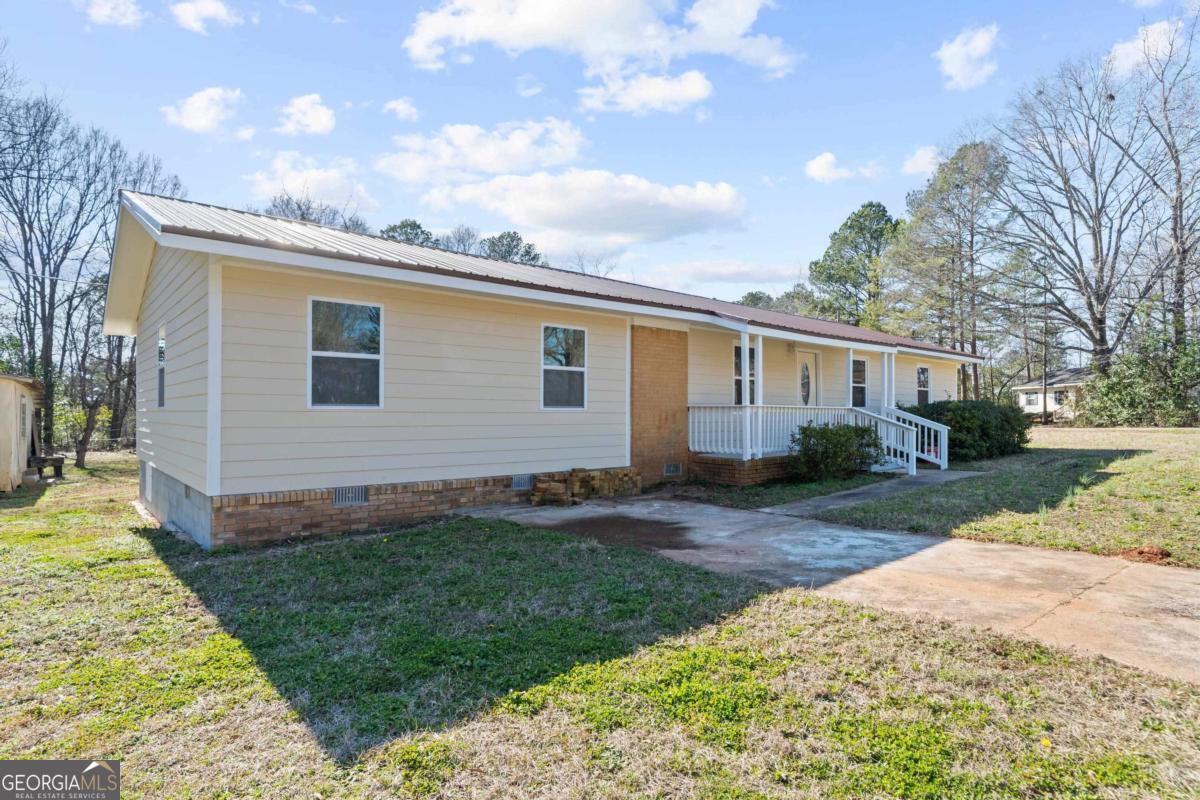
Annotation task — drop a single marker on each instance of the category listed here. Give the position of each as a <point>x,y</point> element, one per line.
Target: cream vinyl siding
<point>943,379</point>
<point>461,389</point>
<point>173,438</point>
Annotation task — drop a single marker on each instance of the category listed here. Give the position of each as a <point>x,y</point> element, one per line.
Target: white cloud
<point>528,85</point>
<point>196,14</point>
<point>711,277</point>
<point>598,209</point>
<point>964,60</point>
<point>245,134</point>
<point>825,169</point>
<point>303,6</point>
<point>125,13</point>
<point>334,182</point>
<point>1144,3</point>
<point>402,107</point>
<point>464,152</point>
<point>1151,41</point>
<point>922,161</point>
<point>204,111</point>
<point>644,93</point>
<point>306,114</point>
<point>617,41</point>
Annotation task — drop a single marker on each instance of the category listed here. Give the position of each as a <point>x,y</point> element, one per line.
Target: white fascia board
<point>961,357</point>
<point>401,275</point>
<point>775,333</point>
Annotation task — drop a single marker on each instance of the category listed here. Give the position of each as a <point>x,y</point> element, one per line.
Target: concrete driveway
<point>1142,615</point>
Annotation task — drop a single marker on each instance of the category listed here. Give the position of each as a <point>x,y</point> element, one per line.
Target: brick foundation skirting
<point>734,471</point>
<point>254,519</point>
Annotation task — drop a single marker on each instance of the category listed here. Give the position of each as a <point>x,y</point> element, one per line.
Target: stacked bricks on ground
<point>255,519</point>
<point>569,488</point>
<point>658,402</point>
<point>735,472</point>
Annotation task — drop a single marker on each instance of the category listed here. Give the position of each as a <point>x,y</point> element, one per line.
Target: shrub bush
<point>819,452</point>
<point>1154,385</point>
<point>978,428</point>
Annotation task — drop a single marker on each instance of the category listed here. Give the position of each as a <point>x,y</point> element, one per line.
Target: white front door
<point>806,378</point>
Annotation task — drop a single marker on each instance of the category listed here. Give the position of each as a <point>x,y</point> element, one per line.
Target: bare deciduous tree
<point>1079,204</point>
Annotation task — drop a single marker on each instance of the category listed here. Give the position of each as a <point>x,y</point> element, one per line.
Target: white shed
<point>18,397</point>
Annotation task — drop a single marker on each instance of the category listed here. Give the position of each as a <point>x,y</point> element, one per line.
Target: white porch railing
<point>932,438</point>
<point>723,430</point>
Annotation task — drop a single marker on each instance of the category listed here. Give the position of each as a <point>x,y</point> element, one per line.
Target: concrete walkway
<point>872,491</point>
<point>1142,615</point>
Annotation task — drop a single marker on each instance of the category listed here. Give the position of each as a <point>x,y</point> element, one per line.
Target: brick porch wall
<point>658,402</point>
<point>734,471</point>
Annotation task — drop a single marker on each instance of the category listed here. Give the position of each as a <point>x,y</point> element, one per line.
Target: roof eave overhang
<point>133,251</point>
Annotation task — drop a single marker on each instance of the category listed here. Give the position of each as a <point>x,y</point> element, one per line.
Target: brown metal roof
<point>189,218</point>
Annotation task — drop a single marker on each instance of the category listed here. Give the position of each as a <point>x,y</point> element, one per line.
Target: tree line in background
<point>58,184</point>
<point>1069,226</point>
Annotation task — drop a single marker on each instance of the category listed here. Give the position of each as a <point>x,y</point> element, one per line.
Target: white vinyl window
<point>345,351</point>
<point>162,366</point>
<point>858,383</point>
<point>922,386</point>
<point>1031,398</point>
<point>737,374</point>
<point>1060,397</point>
<point>564,367</point>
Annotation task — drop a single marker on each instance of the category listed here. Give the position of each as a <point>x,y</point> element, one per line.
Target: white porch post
<point>758,395</point>
<point>883,381</point>
<point>745,343</point>
<point>891,380</point>
<point>849,376</point>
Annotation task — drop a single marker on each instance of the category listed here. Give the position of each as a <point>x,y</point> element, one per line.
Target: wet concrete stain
<point>621,529</point>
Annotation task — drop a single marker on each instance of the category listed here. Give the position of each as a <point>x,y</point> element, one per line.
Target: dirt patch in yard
<point>620,529</point>
<point>1147,554</point>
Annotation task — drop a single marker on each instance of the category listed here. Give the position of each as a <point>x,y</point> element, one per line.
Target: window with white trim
<point>858,383</point>
<point>564,367</point>
<point>1031,398</point>
<point>922,386</point>
<point>1060,397</point>
<point>162,366</point>
<point>345,354</point>
<point>737,374</point>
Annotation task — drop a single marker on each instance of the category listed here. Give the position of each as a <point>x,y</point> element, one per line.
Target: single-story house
<point>19,396</point>
<point>1063,388</point>
<point>297,379</point>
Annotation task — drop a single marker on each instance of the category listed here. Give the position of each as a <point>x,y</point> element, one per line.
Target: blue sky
<point>704,145</point>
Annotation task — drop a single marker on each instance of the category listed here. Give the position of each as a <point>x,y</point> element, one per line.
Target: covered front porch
<point>827,385</point>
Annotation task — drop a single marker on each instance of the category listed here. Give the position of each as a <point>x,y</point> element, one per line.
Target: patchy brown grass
<point>481,659</point>
<point>1106,491</point>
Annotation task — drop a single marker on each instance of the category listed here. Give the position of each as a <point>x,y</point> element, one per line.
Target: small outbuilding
<point>19,396</point>
<point>1062,387</point>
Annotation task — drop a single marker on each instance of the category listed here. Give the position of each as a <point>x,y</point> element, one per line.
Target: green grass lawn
<point>772,494</point>
<point>1102,491</point>
<point>483,659</point>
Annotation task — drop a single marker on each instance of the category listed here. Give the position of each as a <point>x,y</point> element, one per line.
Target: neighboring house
<point>19,396</point>
<point>296,379</point>
<point>1063,388</point>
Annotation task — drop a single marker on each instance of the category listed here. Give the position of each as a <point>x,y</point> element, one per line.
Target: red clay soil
<point>1147,554</point>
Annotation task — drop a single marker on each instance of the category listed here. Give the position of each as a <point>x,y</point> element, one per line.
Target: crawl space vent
<point>523,481</point>
<point>674,469</point>
<point>349,496</point>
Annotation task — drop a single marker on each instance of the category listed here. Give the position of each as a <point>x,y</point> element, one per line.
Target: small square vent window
<point>523,481</point>
<point>674,469</point>
<point>350,496</point>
